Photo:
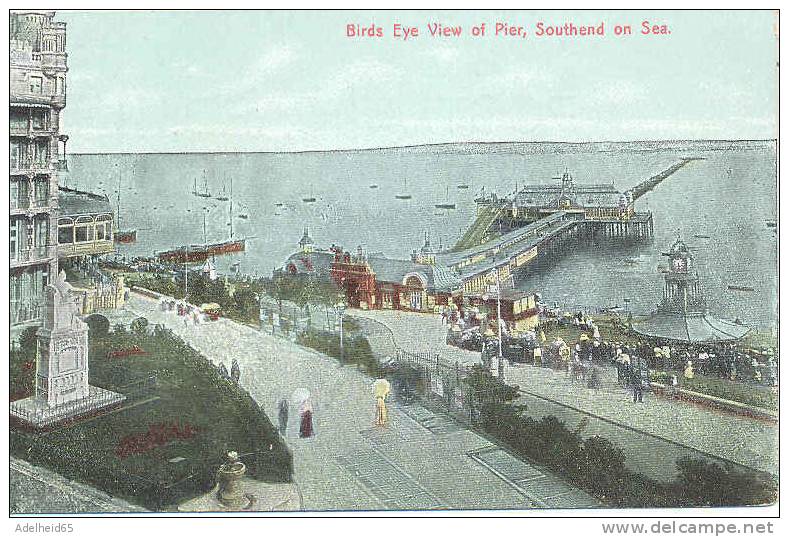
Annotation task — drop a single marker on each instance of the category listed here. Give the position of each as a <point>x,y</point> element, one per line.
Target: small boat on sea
<point>222,195</point>
<point>373,186</point>
<point>446,205</point>
<point>403,196</point>
<point>123,236</point>
<point>702,236</point>
<point>771,223</point>
<point>739,288</point>
<point>311,198</point>
<point>463,186</point>
<point>204,193</point>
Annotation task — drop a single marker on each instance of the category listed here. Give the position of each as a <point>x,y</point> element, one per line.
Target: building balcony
<point>29,166</point>
<point>32,256</point>
<point>22,99</point>
<point>86,248</point>
<point>24,204</point>
<point>27,132</point>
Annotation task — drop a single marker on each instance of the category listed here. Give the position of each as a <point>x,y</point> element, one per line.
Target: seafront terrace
<point>652,434</point>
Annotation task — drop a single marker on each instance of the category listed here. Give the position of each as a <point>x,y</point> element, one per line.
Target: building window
<point>103,228</point>
<point>60,85</point>
<point>17,154</point>
<point>39,120</point>
<point>65,231</point>
<point>14,236</point>
<point>41,191</point>
<point>83,229</point>
<point>36,85</point>
<point>41,233</point>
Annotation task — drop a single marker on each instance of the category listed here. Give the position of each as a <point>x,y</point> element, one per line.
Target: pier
<point>542,222</point>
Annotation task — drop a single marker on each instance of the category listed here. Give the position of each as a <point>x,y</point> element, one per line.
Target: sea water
<point>730,196</point>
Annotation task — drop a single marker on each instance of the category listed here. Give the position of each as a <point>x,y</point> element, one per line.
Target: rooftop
<point>77,202</point>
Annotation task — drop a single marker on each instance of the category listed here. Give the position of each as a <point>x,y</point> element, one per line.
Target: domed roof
<point>679,249</point>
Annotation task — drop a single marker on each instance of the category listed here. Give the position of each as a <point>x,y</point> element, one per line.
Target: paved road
<point>415,463</point>
<point>737,438</point>
<point>33,489</point>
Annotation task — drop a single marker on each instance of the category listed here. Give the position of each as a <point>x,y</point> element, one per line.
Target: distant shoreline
<point>468,147</point>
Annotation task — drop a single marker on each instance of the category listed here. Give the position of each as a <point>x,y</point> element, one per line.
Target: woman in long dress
<point>305,430</point>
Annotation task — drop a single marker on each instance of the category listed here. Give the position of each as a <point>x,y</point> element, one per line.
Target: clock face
<point>680,265</point>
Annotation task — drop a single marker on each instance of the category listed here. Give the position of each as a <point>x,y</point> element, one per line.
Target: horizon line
<point>414,146</point>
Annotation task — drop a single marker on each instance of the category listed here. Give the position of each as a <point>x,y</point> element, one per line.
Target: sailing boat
<point>204,193</point>
<point>222,195</point>
<point>200,253</point>
<point>127,236</point>
<point>311,197</point>
<point>446,205</point>
<point>243,213</point>
<point>403,196</point>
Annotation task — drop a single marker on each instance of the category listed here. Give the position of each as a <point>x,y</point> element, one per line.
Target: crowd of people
<point>676,363</point>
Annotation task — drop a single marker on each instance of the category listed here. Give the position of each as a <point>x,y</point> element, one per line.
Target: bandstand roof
<point>690,328</point>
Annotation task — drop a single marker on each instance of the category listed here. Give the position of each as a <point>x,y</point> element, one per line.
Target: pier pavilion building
<point>379,282</point>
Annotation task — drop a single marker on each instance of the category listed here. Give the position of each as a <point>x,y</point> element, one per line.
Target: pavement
<point>653,434</point>
<point>420,460</point>
<point>33,489</point>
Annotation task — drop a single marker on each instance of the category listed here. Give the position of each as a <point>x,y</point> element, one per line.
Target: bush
<point>709,484</point>
<point>139,326</point>
<point>98,325</point>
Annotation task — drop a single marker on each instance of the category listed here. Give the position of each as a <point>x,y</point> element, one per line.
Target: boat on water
<point>200,253</point>
<point>222,195</point>
<point>632,261</point>
<point>771,223</point>
<point>373,186</point>
<point>126,236</point>
<point>447,204</point>
<point>463,186</point>
<point>122,236</point>
<point>308,200</point>
<point>739,288</point>
<point>702,236</point>
<point>204,193</point>
<point>403,196</point>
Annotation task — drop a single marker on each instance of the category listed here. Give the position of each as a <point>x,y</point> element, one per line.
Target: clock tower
<point>681,292</point>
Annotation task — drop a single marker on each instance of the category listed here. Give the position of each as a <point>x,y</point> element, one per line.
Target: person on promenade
<point>282,414</point>
<point>638,385</point>
<point>235,371</point>
<point>305,429</point>
<point>688,372</point>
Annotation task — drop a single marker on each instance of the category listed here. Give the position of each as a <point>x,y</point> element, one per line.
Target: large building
<point>378,282</point>
<point>37,98</point>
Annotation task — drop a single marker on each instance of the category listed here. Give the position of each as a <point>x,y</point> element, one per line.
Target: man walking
<point>283,416</point>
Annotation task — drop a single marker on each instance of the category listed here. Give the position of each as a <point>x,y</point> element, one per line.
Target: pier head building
<point>37,99</point>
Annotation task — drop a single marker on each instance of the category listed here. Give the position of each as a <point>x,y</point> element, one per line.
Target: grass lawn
<point>166,443</point>
<point>749,394</point>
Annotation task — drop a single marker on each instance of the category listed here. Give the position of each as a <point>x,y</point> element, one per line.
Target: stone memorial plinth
<point>62,391</point>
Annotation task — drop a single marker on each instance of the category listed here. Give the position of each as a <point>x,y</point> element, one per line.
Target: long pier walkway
<point>647,186</point>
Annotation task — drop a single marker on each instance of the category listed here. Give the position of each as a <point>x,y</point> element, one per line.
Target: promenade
<point>652,434</point>
<point>420,461</point>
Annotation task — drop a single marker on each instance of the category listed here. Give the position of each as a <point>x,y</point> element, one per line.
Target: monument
<point>62,390</point>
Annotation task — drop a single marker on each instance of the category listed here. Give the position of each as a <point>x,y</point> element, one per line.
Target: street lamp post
<point>339,307</point>
<point>498,318</point>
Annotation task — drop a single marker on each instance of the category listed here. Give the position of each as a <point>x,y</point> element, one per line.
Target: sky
<point>166,81</point>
